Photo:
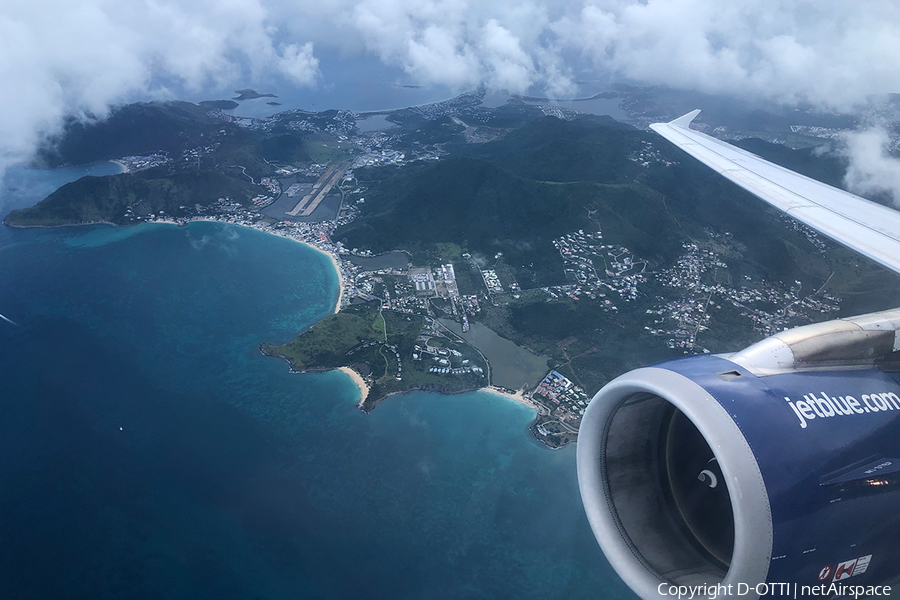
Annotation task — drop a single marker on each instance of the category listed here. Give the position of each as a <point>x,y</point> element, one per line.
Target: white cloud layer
<point>63,58</point>
<point>872,170</point>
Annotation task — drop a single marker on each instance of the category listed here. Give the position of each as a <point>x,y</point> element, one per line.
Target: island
<point>248,94</point>
<point>527,250</point>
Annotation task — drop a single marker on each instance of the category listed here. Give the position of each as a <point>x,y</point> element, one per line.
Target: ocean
<point>148,450</point>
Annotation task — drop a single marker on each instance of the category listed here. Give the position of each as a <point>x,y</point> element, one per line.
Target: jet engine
<point>777,465</point>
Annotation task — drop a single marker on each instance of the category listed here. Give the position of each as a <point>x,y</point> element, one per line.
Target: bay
<point>149,450</point>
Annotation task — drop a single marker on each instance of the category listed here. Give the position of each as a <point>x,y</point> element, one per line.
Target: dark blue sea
<point>148,450</point>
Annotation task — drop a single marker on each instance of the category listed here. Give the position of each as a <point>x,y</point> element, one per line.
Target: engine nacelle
<point>779,464</point>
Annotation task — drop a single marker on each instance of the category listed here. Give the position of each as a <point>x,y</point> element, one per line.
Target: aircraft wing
<point>871,229</point>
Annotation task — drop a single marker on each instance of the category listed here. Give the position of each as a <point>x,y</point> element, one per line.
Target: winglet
<point>685,120</point>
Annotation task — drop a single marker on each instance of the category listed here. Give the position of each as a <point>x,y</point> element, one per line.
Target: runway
<point>320,189</point>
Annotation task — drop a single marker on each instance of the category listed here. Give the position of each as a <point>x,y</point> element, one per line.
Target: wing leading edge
<point>871,229</point>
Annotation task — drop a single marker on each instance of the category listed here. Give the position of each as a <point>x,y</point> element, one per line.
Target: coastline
<point>518,397</point>
<point>364,388</point>
<point>125,168</point>
<point>360,383</point>
<point>349,371</point>
<point>337,268</point>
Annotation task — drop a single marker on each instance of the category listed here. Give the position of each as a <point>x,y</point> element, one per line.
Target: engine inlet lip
<point>747,491</point>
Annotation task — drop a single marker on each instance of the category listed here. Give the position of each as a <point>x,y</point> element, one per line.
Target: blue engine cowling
<point>701,471</point>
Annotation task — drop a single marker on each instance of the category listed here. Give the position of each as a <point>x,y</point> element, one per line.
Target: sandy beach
<point>363,388</point>
<point>337,269</point>
<point>517,397</point>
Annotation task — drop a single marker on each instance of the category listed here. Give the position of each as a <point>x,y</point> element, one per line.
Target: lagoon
<point>512,366</point>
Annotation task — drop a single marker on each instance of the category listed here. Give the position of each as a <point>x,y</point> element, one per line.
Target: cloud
<point>872,170</point>
<point>829,52</point>
<point>508,66</point>
<point>299,64</point>
<point>81,56</point>
<point>76,58</point>
<point>434,56</point>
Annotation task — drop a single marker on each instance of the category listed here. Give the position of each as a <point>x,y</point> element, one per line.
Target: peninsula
<point>248,94</point>
<point>392,352</point>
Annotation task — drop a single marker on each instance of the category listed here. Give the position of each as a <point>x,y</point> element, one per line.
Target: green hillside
<point>378,344</point>
<point>130,130</point>
<point>517,194</point>
<point>588,148</point>
<point>107,199</point>
<point>489,210</point>
<point>208,158</point>
<point>548,178</point>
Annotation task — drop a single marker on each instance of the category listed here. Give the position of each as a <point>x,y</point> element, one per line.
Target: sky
<point>79,57</point>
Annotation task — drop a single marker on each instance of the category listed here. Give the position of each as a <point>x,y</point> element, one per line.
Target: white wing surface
<point>869,228</point>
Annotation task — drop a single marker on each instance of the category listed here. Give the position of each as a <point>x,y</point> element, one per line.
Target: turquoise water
<point>149,451</point>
